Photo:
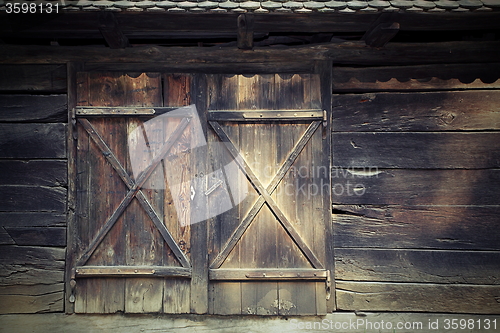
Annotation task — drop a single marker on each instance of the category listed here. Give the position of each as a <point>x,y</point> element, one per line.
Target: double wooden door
<point>201,194</point>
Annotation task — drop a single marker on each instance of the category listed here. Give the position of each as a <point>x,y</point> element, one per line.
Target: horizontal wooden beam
<point>349,53</point>
<point>156,25</point>
<point>128,271</point>
<point>274,274</point>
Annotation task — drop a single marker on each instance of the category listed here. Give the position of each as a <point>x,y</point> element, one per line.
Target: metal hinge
<point>328,283</point>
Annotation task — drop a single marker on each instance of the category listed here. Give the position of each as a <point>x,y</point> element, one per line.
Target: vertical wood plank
<point>71,231</point>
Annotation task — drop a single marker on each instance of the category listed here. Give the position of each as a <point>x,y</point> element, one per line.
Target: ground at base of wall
<point>336,322</point>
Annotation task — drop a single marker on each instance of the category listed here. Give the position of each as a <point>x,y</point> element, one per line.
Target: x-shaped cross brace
<point>265,196</point>
<point>134,191</point>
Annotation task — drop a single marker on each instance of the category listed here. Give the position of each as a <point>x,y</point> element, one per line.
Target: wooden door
<point>268,254</point>
<point>132,242</point>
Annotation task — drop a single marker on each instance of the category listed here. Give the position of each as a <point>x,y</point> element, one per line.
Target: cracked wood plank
<point>422,266</point>
<point>457,298</point>
<point>33,108</point>
<point>417,150</point>
<point>33,172</point>
<point>416,187</point>
<point>423,227</point>
<point>425,111</point>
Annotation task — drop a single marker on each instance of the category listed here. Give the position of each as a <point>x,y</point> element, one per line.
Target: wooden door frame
<point>199,281</point>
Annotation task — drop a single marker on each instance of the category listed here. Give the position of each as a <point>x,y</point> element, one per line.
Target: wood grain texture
<point>33,108</point>
<point>39,236</point>
<point>33,172</point>
<point>417,150</point>
<point>459,298</point>
<point>430,111</point>
<point>348,53</point>
<point>415,187</point>
<point>447,267</point>
<point>32,198</point>
<point>39,78</point>
<point>31,279</point>
<point>33,140</point>
<point>416,78</point>
<point>422,227</point>
<point>32,299</point>
<point>32,219</point>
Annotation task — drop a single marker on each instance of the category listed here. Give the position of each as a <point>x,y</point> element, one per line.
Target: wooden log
<point>32,140</point>
<point>245,31</point>
<point>32,198</point>
<point>29,265</point>
<point>424,227</point>
<point>39,78</point>
<point>39,236</point>
<point>423,77</point>
<point>348,53</point>
<point>145,25</point>
<point>34,172</point>
<point>39,298</point>
<point>433,111</point>
<point>33,108</point>
<point>372,296</point>
<point>32,219</point>
<point>415,187</point>
<point>447,267</point>
<point>417,150</point>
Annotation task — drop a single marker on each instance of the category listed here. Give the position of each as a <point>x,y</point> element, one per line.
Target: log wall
<point>416,188</point>
<point>33,187</point>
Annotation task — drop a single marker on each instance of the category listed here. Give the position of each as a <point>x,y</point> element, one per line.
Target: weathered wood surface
<point>33,140</point>
<point>422,78</point>
<point>33,108</point>
<point>36,78</point>
<point>33,172</point>
<point>348,53</point>
<point>277,234</point>
<point>421,227</point>
<point>59,323</point>
<point>417,150</point>
<point>31,279</point>
<point>432,111</point>
<point>32,219</point>
<point>40,236</point>
<point>418,266</point>
<point>415,187</point>
<point>32,198</point>
<point>147,25</point>
<point>456,298</point>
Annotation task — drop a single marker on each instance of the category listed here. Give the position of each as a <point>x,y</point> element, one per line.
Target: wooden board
<point>457,298</point>
<point>34,108</point>
<point>32,299</point>
<point>33,172</point>
<point>32,140</point>
<point>39,236</point>
<point>412,150</point>
<point>419,266</point>
<point>39,78</point>
<point>421,227</point>
<point>347,53</point>
<point>431,111</point>
<point>415,187</point>
<point>32,198</point>
<point>417,78</point>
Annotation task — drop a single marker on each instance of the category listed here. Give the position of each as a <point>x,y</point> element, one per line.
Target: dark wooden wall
<point>419,146</point>
<point>33,178</point>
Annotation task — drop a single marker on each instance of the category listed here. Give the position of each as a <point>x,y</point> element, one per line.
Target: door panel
<point>281,157</point>
<point>131,247</point>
